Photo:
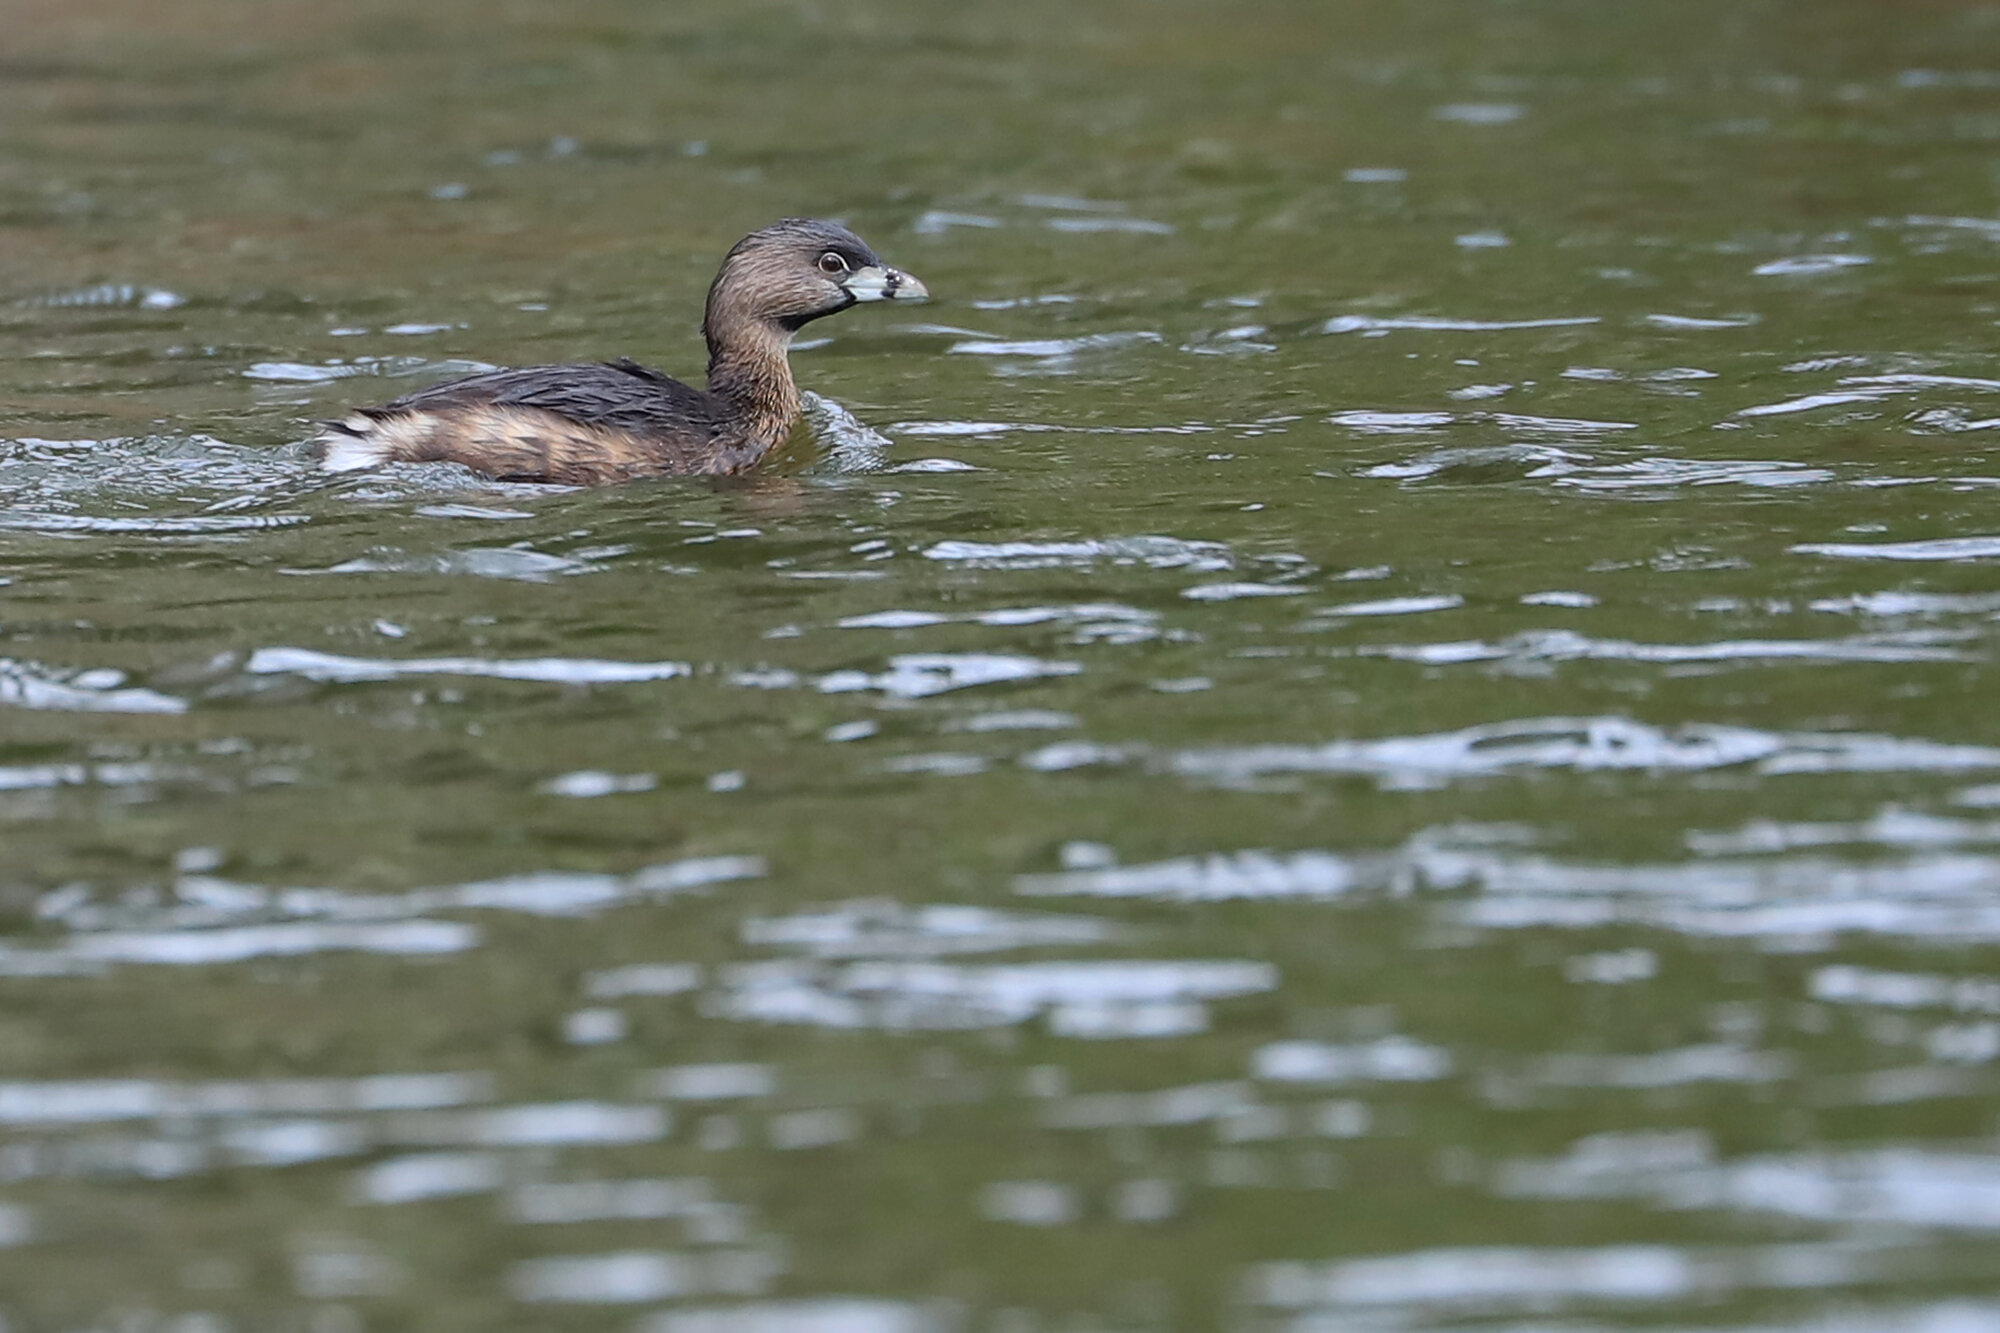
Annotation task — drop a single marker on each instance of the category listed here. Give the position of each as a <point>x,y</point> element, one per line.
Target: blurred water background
<point>1381,719</point>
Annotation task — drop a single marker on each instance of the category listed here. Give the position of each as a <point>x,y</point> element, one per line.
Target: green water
<point>1379,719</point>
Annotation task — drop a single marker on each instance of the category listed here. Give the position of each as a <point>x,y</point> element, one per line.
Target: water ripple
<point>104,294</point>
<point>33,777</point>
<point>962,428</point>
<point>1890,827</point>
<point>884,928</point>
<point>1054,354</point>
<point>1398,423</point>
<point>1560,645</point>
<point>1869,389</point>
<point>1481,463</point>
<point>1647,473</point>
<point>1153,552</point>
<point>848,443</point>
<point>297,372</point>
<point>27,521</point>
<point>1598,744</point>
<point>919,675</point>
<point>519,563</point>
<point>1798,265</point>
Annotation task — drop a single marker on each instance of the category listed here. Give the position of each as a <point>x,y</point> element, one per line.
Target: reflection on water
<point>1379,721</point>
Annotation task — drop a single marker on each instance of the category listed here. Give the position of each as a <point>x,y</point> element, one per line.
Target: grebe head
<point>792,272</point>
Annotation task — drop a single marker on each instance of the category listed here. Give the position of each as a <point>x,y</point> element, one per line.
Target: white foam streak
<point>419,1177</point>
<point>1230,592</point>
<point>1928,896</point>
<point>833,1314</point>
<point>1797,265</point>
<point>97,1101</point>
<point>28,685</point>
<point>920,675</point>
<point>606,1200</point>
<point>1220,877</point>
<point>1397,606</point>
<point>1483,1278</point>
<point>1715,1063</point>
<point>41,777</point>
<point>209,921</point>
<point>1394,1059</point>
<point>536,1124</point>
<point>334,668</point>
<point>1891,827</point>
<point>1813,401</point>
<point>1126,998</point>
<point>283,940</point>
<point>1847,984</point>
<point>1893,1186</point>
<point>1439,324</point>
<point>1424,1285</point>
<point>1942,548</point>
<point>1986,228</point>
<point>1698,322</point>
<point>1938,897</point>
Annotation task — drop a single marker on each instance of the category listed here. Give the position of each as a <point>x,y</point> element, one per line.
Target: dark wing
<point>621,394</point>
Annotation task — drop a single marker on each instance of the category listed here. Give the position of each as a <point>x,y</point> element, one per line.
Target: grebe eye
<point>831,263</point>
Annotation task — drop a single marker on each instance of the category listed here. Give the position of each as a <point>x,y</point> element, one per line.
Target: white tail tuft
<point>351,453</point>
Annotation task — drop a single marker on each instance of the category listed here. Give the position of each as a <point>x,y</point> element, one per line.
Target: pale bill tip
<point>884,284</point>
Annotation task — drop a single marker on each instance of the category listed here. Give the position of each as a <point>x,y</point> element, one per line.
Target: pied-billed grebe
<point>612,421</point>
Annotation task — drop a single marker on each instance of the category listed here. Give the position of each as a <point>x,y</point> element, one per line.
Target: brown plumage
<point>612,421</point>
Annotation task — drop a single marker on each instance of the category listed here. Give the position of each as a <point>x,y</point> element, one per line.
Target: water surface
<point>1379,719</point>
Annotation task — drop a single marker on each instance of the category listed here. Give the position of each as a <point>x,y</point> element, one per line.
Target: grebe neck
<point>751,372</point>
